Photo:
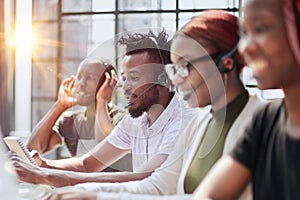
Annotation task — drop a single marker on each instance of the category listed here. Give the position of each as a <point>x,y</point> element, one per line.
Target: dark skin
<point>273,66</point>
<point>81,87</point>
<point>204,77</point>
<point>74,170</point>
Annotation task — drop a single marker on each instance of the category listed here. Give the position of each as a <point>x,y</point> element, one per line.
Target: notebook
<point>15,145</point>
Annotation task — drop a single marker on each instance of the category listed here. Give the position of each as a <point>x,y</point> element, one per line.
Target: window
<point>70,30</point>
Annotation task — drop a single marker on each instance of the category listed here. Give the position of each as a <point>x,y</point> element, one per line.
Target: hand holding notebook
<point>15,145</point>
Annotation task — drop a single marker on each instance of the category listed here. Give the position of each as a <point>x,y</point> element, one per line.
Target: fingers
<point>104,94</point>
<point>112,78</point>
<point>36,156</point>
<point>107,80</point>
<point>15,158</point>
<point>20,168</point>
<point>69,84</point>
<point>34,153</point>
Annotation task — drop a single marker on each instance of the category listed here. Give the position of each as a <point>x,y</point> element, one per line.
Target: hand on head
<point>67,92</point>
<point>107,89</point>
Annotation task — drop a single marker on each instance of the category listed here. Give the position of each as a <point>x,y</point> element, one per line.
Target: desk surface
<point>27,191</point>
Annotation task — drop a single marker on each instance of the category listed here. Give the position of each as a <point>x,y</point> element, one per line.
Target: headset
<point>226,62</point>
<point>161,78</point>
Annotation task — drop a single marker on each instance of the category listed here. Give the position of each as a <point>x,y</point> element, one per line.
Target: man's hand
<point>69,193</point>
<point>26,172</point>
<point>66,92</point>
<point>38,159</point>
<point>107,89</point>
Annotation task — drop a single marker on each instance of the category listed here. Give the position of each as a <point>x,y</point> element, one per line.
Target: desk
<point>27,191</point>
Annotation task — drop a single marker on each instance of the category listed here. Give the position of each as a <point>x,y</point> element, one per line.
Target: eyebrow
<point>130,72</point>
<point>182,59</point>
<point>189,59</point>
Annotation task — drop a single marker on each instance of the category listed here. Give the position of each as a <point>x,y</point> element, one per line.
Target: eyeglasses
<point>183,68</point>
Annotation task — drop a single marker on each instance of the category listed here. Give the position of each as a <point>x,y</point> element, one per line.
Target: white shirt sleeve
<point>120,137</point>
<point>162,182</point>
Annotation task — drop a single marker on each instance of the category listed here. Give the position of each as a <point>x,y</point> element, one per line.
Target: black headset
<point>226,62</point>
<point>161,78</point>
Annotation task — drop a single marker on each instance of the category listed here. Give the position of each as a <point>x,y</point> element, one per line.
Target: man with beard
<point>157,117</point>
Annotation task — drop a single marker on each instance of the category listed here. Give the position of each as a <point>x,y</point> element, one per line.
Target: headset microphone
<point>140,95</point>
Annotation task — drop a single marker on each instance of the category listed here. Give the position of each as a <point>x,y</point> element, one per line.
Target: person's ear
<point>227,61</point>
<point>227,64</point>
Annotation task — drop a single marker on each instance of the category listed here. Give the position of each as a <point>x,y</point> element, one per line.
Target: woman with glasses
<point>206,72</point>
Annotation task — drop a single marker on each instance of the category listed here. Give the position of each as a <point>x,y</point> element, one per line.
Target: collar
<point>172,108</point>
<point>232,109</point>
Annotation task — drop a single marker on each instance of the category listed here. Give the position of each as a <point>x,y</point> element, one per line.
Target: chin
<point>85,102</point>
<point>135,112</point>
<point>193,101</point>
<point>265,84</point>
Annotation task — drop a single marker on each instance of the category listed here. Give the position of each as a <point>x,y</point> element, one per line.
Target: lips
<point>258,66</point>
<point>82,94</point>
<point>128,97</point>
<point>255,61</point>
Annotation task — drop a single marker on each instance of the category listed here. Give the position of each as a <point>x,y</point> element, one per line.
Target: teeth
<point>258,64</point>
<point>80,93</point>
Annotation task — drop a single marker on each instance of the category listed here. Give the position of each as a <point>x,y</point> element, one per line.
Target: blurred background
<point>43,41</point>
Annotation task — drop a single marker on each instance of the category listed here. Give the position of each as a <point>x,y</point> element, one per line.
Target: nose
<point>80,82</point>
<point>127,85</point>
<point>247,45</point>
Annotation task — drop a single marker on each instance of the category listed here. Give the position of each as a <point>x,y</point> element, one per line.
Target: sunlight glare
<point>23,37</point>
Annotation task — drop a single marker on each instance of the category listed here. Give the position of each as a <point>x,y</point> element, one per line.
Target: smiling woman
<point>268,152</point>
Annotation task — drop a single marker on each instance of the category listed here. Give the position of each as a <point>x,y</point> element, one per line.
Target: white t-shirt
<point>145,142</point>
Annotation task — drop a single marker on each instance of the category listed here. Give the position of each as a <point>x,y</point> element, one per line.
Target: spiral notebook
<point>15,145</point>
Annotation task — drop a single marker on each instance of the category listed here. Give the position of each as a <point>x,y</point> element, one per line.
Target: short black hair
<point>157,47</point>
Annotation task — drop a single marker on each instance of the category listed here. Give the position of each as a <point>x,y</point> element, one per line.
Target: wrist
<point>61,105</point>
<point>50,178</point>
<point>44,164</point>
<point>103,101</point>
